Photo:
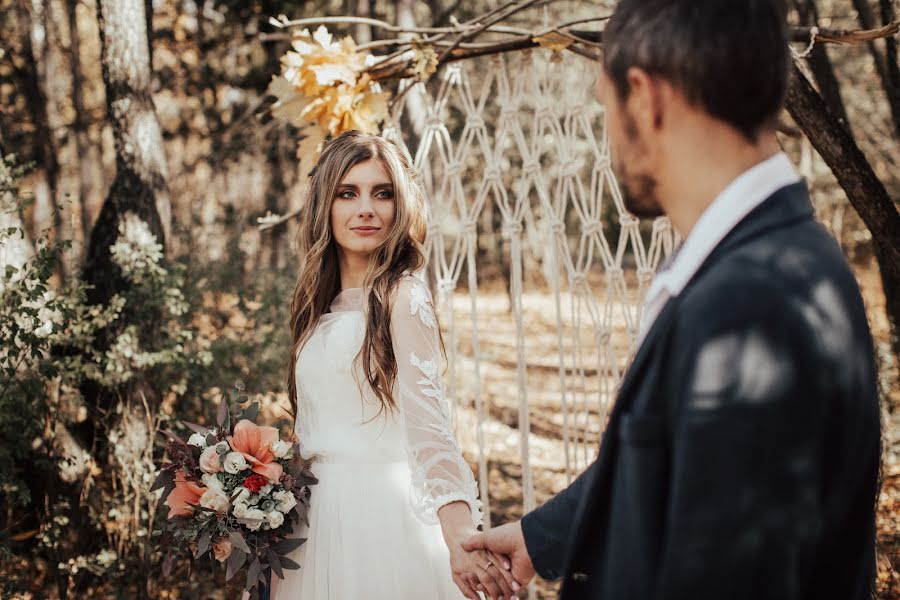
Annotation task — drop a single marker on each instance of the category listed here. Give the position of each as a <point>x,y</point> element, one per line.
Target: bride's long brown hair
<point>319,277</point>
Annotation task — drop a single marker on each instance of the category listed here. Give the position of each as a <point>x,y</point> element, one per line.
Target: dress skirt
<point>365,541</point>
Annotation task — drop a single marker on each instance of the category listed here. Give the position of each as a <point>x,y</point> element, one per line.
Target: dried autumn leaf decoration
<point>553,40</point>
<point>324,90</point>
<point>426,60</point>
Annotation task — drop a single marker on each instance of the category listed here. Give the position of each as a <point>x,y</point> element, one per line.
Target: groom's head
<point>677,67</point>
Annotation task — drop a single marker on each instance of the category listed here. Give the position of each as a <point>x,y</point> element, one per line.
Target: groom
<point>741,458</point>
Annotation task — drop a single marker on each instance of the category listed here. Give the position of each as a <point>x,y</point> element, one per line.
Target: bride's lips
<point>366,231</point>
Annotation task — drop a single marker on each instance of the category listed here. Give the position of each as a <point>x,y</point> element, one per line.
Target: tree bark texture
<point>820,64</point>
<point>855,175</point>
<point>140,184</point>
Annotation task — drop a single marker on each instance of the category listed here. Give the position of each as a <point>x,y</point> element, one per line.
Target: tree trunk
<point>140,184</point>
<point>28,76</point>
<point>414,115</point>
<point>892,68</point>
<point>820,64</point>
<point>84,151</point>
<point>864,190</point>
<point>139,188</point>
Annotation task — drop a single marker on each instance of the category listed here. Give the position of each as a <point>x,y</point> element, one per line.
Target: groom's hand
<point>506,540</point>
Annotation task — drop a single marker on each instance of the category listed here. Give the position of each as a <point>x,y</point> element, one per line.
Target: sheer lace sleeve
<point>440,475</point>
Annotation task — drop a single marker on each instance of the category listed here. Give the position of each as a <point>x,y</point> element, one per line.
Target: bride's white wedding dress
<point>373,529</point>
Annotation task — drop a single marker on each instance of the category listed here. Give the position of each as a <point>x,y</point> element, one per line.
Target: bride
<point>395,498</point>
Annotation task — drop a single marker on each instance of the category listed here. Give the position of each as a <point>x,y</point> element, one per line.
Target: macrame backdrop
<point>516,146</point>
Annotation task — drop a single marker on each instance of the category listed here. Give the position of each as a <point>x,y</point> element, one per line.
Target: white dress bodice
<point>339,418</point>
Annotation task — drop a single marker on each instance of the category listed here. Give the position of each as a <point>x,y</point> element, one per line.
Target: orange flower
<point>184,497</point>
<point>254,443</point>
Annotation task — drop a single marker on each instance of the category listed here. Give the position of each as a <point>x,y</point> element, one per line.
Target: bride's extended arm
<point>440,475</point>
<point>444,488</point>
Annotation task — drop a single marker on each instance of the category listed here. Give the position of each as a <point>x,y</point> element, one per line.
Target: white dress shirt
<point>731,206</point>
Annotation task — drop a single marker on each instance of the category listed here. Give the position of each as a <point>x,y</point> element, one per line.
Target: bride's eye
<point>385,195</point>
<point>346,194</point>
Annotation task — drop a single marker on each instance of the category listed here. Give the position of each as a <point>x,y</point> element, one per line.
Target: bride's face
<point>363,209</point>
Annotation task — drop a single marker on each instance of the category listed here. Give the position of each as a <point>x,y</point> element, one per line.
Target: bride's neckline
<point>348,300</point>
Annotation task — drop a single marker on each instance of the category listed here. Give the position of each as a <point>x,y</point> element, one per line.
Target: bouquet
<point>235,493</point>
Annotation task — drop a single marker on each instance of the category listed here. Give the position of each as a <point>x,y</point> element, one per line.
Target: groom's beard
<point>638,189</point>
<point>639,196</point>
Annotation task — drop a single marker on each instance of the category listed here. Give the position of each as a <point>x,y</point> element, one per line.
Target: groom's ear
<point>648,99</point>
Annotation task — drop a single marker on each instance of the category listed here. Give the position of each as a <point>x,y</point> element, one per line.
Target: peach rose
<point>254,443</point>
<point>222,549</point>
<point>209,461</point>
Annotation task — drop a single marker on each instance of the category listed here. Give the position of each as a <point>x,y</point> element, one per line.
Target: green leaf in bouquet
<point>288,564</point>
<point>165,481</point>
<point>251,412</point>
<point>302,510</point>
<point>211,440</point>
<point>275,563</point>
<point>235,562</point>
<point>202,544</point>
<point>253,573</point>
<point>195,428</point>
<point>287,546</point>
<point>222,416</point>
<point>306,477</point>
<point>238,541</point>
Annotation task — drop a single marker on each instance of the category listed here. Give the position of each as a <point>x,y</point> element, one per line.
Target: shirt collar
<point>750,189</point>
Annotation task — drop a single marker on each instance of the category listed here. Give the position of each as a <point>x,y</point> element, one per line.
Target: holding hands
<point>505,541</point>
<point>474,569</point>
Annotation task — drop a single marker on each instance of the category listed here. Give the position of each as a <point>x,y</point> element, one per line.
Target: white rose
<point>280,449</point>
<point>44,330</point>
<point>285,500</point>
<point>212,482</point>
<point>265,489</point>
<point>214,500</point>
<point>242,495</point>
<point>234,463</point>
<point>239,510</point>
<point>198,440</point>
<point>275,519</point>
<point>254,518</point>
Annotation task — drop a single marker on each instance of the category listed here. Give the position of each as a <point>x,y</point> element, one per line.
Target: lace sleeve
<point>440,475</point>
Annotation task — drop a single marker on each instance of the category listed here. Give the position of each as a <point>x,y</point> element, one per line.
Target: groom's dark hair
<point>729,57</point>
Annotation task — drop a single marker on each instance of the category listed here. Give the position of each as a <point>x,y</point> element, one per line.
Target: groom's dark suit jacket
<point>741,458</point>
